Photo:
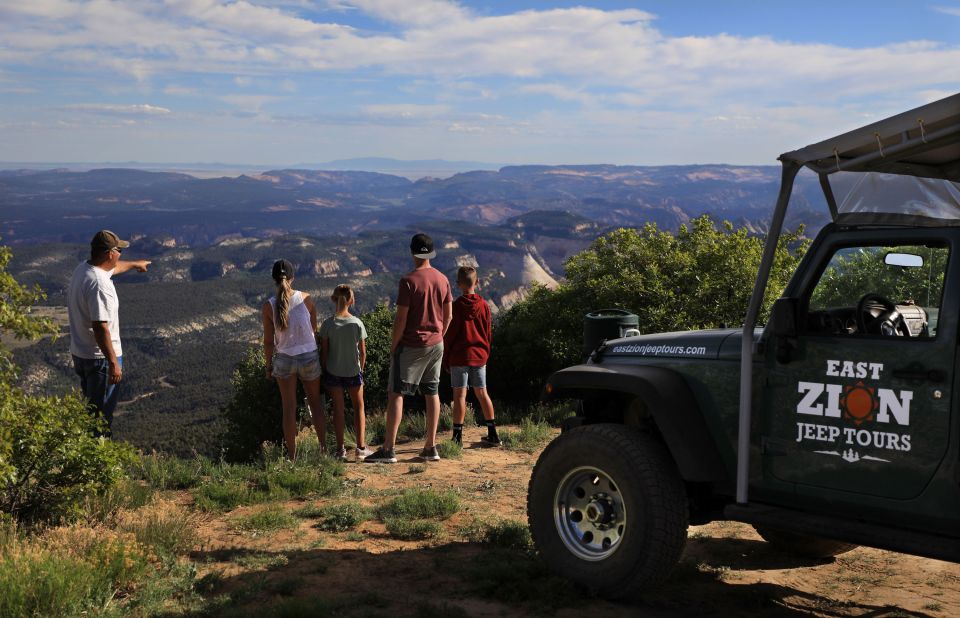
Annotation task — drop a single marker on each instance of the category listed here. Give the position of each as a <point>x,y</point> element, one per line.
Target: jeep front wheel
<point>607,509</point>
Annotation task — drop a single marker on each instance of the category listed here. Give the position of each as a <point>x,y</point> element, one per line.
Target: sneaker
<point>494,441</point>
<point>342,454</point>
<point>381,456</point>
<point>362,453</point>
<point>430,454</point>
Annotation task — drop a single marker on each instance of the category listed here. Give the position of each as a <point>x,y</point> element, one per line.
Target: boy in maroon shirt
<point>466,349</point>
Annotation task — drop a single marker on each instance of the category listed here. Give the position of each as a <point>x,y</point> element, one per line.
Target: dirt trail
<point>727,570</point>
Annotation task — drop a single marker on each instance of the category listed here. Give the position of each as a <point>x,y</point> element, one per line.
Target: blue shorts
<point>473,377</point>
<point>306,365</point>
<point>332,381</point>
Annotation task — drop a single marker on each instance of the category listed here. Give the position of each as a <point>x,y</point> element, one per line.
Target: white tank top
<point>298,337</point>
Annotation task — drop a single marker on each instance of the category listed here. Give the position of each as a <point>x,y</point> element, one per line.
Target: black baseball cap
<point>421,246</point>
<point>105,240</point>
<point>282,269</point>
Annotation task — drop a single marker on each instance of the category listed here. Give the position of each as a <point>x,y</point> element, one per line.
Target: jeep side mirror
<point>783,318</point>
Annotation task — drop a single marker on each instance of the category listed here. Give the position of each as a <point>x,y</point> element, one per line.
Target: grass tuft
<point>163,526</point>
<point>417,469</point>
<point>427,609</point>
<point>309,511</point>
<point>531,436</point>
<point>422,504</point>
<point>449,449</point>
<point>413,529</point>
<point>509,534</point>
<point>126,495</point>
<point>269,519</point>
<point>343,517</point>
<point>163,472</point>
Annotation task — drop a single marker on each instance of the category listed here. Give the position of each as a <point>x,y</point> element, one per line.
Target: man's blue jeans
<point>95,383</point>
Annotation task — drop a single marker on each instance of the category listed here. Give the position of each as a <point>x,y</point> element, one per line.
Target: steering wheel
<point>877,315</point>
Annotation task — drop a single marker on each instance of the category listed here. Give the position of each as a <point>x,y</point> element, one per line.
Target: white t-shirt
<point>91,297</point>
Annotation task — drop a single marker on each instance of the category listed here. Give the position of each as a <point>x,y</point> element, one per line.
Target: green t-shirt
<point>343,353</point>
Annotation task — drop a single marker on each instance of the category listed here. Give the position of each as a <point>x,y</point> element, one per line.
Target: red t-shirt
<point>467,342</point>
<point>423,292</point>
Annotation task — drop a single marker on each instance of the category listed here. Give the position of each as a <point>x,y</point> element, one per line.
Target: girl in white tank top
<point>298,337</point>
<point>290,351</point>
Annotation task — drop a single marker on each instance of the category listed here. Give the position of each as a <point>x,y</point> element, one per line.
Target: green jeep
<point>833,426</point>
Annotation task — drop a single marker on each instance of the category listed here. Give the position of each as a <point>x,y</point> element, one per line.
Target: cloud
<point>597,49</point>
<point>405,111</point>
<point>144,109</point>
<point>180,91</point>
<point>947,10</point>
<point>408,13</point>
<point>437,64</point>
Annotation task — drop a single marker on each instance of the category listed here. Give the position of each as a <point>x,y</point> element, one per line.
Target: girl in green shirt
<point>343,355</point>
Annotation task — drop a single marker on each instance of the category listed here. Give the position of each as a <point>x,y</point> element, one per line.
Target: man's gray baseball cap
<point>104,240</point>
<point>421,246</point>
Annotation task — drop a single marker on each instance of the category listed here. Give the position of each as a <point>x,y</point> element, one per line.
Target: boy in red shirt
<point>466,346</point>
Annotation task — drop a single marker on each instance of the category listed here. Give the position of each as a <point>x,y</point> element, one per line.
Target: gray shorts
<point>473,377</point>
<point>306,365</point>
<point>415,367</point>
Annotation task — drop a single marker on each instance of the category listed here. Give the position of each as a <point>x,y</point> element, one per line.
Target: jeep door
<point>859,403</point>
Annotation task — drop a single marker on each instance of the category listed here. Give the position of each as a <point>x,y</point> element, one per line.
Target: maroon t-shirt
<point>424,292</point>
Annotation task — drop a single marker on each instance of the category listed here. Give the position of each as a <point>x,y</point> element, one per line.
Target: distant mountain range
<point>412,169</point>
<point>65,206</point>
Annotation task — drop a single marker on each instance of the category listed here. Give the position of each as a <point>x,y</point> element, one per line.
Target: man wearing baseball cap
<point>93,309</point>
<point>424,311</point>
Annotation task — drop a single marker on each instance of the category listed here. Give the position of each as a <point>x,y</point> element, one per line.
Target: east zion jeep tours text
<point>855,403</point>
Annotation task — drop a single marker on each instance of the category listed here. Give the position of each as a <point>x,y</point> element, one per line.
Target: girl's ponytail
<point>284,291</point>
<point>342,295</point>
<point>283,275</point>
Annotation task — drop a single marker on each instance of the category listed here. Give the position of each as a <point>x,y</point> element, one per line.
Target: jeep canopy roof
<point>908,168</point>
<point>922,142</point>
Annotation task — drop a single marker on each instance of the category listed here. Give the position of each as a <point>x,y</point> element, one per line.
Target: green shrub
<point>421,504</point>
<point>342,517</point>
<point>531,436</point>
<point>379,326</point>
<point>69,573</point>
<point>376,428</point>
<point>416,468</point>
<point>413,529</point>
<point>55,462</point>
<point>17,319</point>
<point>413,426</point>
<point>445,421</point>
<point>254,413</point>
<point>694,278</point>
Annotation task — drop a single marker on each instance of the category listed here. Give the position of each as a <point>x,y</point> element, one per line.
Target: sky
<point>281,82</point>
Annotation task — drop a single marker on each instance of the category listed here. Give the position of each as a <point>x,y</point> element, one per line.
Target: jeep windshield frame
<point>922,143</point>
